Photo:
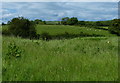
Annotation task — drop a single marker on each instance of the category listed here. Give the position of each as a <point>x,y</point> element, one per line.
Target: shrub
<point>22,27</point>
<point>46,36</point>
<point>14,50</point>
<point>115,27</point>
<point>69,21</point>
<point>5,32</point>
<point>3,23</point>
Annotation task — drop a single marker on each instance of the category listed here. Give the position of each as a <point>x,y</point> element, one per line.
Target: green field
<point>61,29</point>
<point>77,59</point>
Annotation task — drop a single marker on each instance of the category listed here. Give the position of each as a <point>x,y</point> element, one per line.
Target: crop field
<point>76,59</point>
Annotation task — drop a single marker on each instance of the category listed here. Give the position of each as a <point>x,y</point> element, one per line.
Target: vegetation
<point>115,27</point>
<point>21,27</point>
<point>76,50</point>
<point>37,21</point>
<point>62,29</point>
<point>48,32</point>
<point>79,59</point>
<point>14,50</point>
<point>69,21</point>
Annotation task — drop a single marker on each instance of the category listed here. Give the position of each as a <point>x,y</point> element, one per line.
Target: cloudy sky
<point>54,11</point>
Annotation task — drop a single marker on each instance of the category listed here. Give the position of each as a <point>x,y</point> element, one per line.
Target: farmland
<point>75,59</point>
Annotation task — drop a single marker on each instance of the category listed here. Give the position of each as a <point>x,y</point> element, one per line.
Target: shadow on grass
<point>66,35</point>
<point>46,36</point>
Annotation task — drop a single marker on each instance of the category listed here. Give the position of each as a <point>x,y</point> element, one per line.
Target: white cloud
<point>6,15</point>
<point>55,10</point>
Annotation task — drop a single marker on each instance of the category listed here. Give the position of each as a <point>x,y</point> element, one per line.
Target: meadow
<point>61,29</point>
<point>75,59</point>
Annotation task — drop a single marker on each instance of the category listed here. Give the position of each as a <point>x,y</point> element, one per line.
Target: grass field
<point>0,55</point>
<point>61,29</point>
<point>77,59</point>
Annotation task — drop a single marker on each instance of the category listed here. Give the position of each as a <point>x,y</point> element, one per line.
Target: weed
<point>14,50</point>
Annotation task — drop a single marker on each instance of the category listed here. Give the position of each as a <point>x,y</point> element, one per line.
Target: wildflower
<point>108,41</point>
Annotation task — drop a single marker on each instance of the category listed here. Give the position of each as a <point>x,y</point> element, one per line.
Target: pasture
<point>61,29</point>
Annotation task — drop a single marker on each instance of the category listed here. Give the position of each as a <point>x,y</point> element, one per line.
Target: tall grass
<point>78,59</point>
<point>0,55</point>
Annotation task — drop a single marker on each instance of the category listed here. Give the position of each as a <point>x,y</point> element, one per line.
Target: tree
<point>3,23</point>
<point>8,22</point>
<point>115,27</point>
<point>72,21</point>
<point>37,21</point>
<point>81,23</point>
<point>44,22</point>
<point>69,21</point>
<point>98,23</point>
<point>22,27</point>
<point>65,21</point>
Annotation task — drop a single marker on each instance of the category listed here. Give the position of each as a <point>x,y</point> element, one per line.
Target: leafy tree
<point>65,21</point>
<point>8,22</point>
<point>72,21</point>
<point>98,23</point>
<point>81,23</point>
<point>115,27</point>
<point>44,22</point>
<point>3,23</point>
<point>37,21</point>
<point>69,21</point>
<point>22,27</point>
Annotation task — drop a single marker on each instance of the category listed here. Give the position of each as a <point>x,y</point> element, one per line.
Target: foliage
<point>22,27</point>
<point>78,59</point>
<point>38,21</point>
<point>69,21</point>
<point>81,23</point>
<point>5,32</point>
<point>14,50</point>
<point>3,23</point>
<point>65,20</point>
<point>115,27</point>
<point>45,36</point>
<point>72,21</point>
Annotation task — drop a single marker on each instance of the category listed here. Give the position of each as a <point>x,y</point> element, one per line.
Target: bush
<point>115,27</point>
<point>14,50</point>
<point>22,27</point>
<point>69,21</point>
<point>46,36</point>
<point>3,23</point>
<point>72,21</point>
<point>5,32</point>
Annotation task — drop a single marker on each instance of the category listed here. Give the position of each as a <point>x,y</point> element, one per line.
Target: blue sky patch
<point>54,11</point>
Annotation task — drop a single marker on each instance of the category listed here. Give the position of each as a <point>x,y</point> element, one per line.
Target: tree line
<point>25,28</point>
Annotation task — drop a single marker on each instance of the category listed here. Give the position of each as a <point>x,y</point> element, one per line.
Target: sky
<point>60,0</point>
<point>54,11</point>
